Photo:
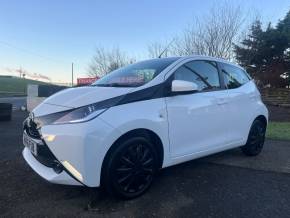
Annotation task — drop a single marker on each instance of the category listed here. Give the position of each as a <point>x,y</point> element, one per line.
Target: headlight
<point>77,115</point>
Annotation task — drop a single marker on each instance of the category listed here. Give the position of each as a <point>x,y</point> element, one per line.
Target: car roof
<point>203,57</point>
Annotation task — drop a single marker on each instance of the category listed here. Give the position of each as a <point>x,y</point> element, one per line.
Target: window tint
<point>203,73</point>
<point>234,76</point>
<point>135,74</point>
<point>184,73</point>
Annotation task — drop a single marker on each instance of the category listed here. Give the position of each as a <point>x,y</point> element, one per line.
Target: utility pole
<point>72,74</point>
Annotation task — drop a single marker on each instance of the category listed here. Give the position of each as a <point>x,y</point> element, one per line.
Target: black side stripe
<point>153,92</point>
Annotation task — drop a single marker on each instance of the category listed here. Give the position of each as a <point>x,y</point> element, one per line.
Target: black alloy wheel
<point>131,168</point>
<point>256,139</point>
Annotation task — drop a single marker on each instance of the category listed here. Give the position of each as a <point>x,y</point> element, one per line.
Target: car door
<point>197,120</point>
<point>241,101</point>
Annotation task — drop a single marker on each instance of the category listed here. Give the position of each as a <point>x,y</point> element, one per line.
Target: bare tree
<point>213,34</point>
<point>106,61</point>
<point>156,48</point>
<point>163,49</point>
<point>189,42</point>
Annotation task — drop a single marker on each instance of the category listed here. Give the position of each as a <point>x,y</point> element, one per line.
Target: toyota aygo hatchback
<point>149,115</point>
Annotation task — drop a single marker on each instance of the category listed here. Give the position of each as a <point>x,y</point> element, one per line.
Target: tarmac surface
<point>227,184</point>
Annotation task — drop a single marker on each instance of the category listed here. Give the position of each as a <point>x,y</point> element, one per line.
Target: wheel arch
<point>260,117</point>
<point>149,134</point>
<point>263,119</point>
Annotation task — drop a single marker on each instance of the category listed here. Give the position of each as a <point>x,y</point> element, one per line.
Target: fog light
<point>58,168</point>
<point>72,170</point>
<point>48,138</point>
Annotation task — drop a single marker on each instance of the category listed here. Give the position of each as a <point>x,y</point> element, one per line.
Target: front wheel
<point>130,168</point>
<point>256,139</point>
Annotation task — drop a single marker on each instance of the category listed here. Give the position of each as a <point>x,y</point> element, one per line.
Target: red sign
<point>86,81</point>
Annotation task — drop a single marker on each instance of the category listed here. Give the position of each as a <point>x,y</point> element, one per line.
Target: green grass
<point>278,130</point>
<point>15,85</point>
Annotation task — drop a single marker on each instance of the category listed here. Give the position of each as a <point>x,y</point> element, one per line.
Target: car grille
<point>44,155</point>
<point>31,129</point>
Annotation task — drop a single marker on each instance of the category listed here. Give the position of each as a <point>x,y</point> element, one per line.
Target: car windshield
<point>135,74</point>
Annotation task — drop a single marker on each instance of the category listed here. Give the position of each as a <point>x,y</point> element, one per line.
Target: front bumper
<point>79,149</point>
<point>47,172</point>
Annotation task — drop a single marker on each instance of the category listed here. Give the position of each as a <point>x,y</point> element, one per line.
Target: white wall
<point>32,99</point>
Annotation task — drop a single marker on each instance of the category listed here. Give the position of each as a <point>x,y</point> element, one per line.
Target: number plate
<point>30,143</point>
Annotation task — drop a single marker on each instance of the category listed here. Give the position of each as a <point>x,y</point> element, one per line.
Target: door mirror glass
<point>183,86</point>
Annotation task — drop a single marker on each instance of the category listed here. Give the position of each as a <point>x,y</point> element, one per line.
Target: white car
<point>153,114</point>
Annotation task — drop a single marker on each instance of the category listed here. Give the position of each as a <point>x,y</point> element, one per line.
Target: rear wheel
<point>130,168</point>
<point>256,139</point>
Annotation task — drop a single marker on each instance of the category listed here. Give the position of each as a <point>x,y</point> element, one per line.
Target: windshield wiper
<point>116,85</point>
<point>102,85</point>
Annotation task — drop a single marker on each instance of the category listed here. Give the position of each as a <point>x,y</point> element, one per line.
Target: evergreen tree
<point>266,53</point>
<point>284,28</point>
<point>248,53</point>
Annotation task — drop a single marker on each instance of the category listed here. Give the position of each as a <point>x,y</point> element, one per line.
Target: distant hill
<point>15,85</point>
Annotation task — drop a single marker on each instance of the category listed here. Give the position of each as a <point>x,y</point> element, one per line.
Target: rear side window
<point>203,73</point>
<point>234,76</point>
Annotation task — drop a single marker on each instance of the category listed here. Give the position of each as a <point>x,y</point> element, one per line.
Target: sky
<point>46,36</point>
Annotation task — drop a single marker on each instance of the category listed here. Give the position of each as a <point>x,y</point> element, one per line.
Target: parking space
<point>223,185</point>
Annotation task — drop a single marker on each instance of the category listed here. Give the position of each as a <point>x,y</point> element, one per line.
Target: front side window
<point>203,73</point>
<point>234,76</point>
<point>135,74</point>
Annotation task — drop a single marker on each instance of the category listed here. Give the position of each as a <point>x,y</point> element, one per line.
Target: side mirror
<point>181,86</point>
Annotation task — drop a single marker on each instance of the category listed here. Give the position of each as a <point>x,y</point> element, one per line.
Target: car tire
<point>130,168</point>
<point>256,139</point>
